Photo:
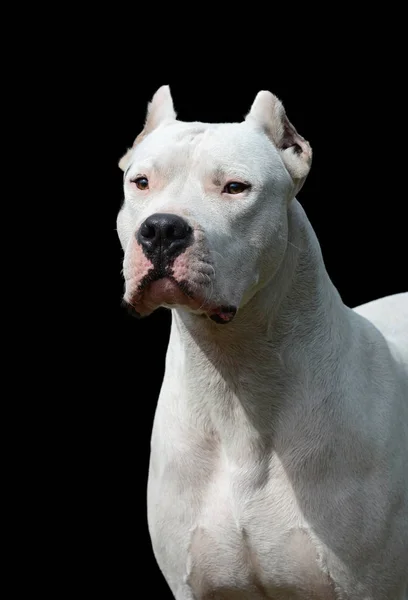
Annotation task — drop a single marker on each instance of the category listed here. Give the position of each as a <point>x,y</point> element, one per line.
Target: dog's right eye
<point>142,183</point>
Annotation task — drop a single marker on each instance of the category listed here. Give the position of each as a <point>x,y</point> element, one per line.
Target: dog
<point>279,450</point>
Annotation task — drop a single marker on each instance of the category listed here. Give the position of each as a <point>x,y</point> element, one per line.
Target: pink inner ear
<point>159,109</point>
<point>291,137</point>
<point>139,138</point>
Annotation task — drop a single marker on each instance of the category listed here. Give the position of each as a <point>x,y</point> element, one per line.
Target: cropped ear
<point>268,113</point>
<point>159,110</point>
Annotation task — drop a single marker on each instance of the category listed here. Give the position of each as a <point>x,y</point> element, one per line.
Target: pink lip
<point>166,291</point>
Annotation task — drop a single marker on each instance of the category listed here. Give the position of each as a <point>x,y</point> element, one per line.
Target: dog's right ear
<point>160,110</point>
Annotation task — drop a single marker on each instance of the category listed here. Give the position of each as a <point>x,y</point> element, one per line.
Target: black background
<point>352,113</point>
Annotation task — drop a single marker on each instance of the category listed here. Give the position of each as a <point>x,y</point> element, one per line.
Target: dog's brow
<point>220,174</point>
<point>149,164</point>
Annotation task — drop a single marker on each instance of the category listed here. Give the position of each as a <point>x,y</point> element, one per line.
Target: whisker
<point>212,267</point>
<point>208,293</point>
<point>219,254</point>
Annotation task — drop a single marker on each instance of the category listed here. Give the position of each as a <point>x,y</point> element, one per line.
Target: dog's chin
<point>169,293</point>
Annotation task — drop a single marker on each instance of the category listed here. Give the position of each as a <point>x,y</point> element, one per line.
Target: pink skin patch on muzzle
<point>135,269</point>
<point>182,264</point>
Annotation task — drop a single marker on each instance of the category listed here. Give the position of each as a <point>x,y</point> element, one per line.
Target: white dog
<point>279,457</point>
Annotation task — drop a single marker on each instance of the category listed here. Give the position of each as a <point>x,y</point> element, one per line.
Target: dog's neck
<point>299,294</point>
<point>289,326</point>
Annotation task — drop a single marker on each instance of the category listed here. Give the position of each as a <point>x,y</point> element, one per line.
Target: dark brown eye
<point>142,183</point>
<point>235,187</point>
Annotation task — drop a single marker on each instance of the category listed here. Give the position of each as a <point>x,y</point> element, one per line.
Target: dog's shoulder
<point>390,317</point>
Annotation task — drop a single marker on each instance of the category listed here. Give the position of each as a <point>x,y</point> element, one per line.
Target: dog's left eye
<point>235,187</point>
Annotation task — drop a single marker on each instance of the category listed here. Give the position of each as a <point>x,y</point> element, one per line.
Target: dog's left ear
<point>159,110</point>
<point>268,113</point>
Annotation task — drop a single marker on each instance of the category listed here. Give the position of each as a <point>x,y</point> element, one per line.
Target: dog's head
<point>204,220</point>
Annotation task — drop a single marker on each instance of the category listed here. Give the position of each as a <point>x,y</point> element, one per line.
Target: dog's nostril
<point>177,231</point>
<point>147,231</point>
<point>169,232</point>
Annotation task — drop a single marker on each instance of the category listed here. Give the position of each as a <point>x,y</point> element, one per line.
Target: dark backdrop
<point>354,197</point>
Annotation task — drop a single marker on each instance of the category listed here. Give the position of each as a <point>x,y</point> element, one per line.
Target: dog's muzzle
<point>166,267</point>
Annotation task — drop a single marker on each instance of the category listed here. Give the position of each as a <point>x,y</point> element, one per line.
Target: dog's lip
<point>167,291</point>
<point>163,290</point>
<point>223,314</point>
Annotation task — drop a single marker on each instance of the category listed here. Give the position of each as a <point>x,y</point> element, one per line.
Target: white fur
<point>280,444</point>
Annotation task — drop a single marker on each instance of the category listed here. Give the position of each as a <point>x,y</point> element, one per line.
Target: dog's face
<point>204,221</point>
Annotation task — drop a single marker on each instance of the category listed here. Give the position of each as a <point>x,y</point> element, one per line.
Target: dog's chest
<point>247,539</point>
<point>256,544</point>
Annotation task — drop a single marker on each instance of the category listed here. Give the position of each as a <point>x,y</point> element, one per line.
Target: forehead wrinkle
<point>205,149</point>
<point>221,161</point>
<point>183,149</point>
<point>182,139</point>
<point>182,155</point>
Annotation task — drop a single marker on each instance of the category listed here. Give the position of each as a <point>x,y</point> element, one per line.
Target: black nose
<point>164,236</point>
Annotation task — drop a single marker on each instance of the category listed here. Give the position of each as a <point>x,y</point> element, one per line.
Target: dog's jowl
<point>279,455</point>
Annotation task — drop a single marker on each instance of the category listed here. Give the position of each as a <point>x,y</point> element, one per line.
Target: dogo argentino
<point>279,451</point>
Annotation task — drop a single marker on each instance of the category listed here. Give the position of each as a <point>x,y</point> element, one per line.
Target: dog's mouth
<point>162,289</point>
